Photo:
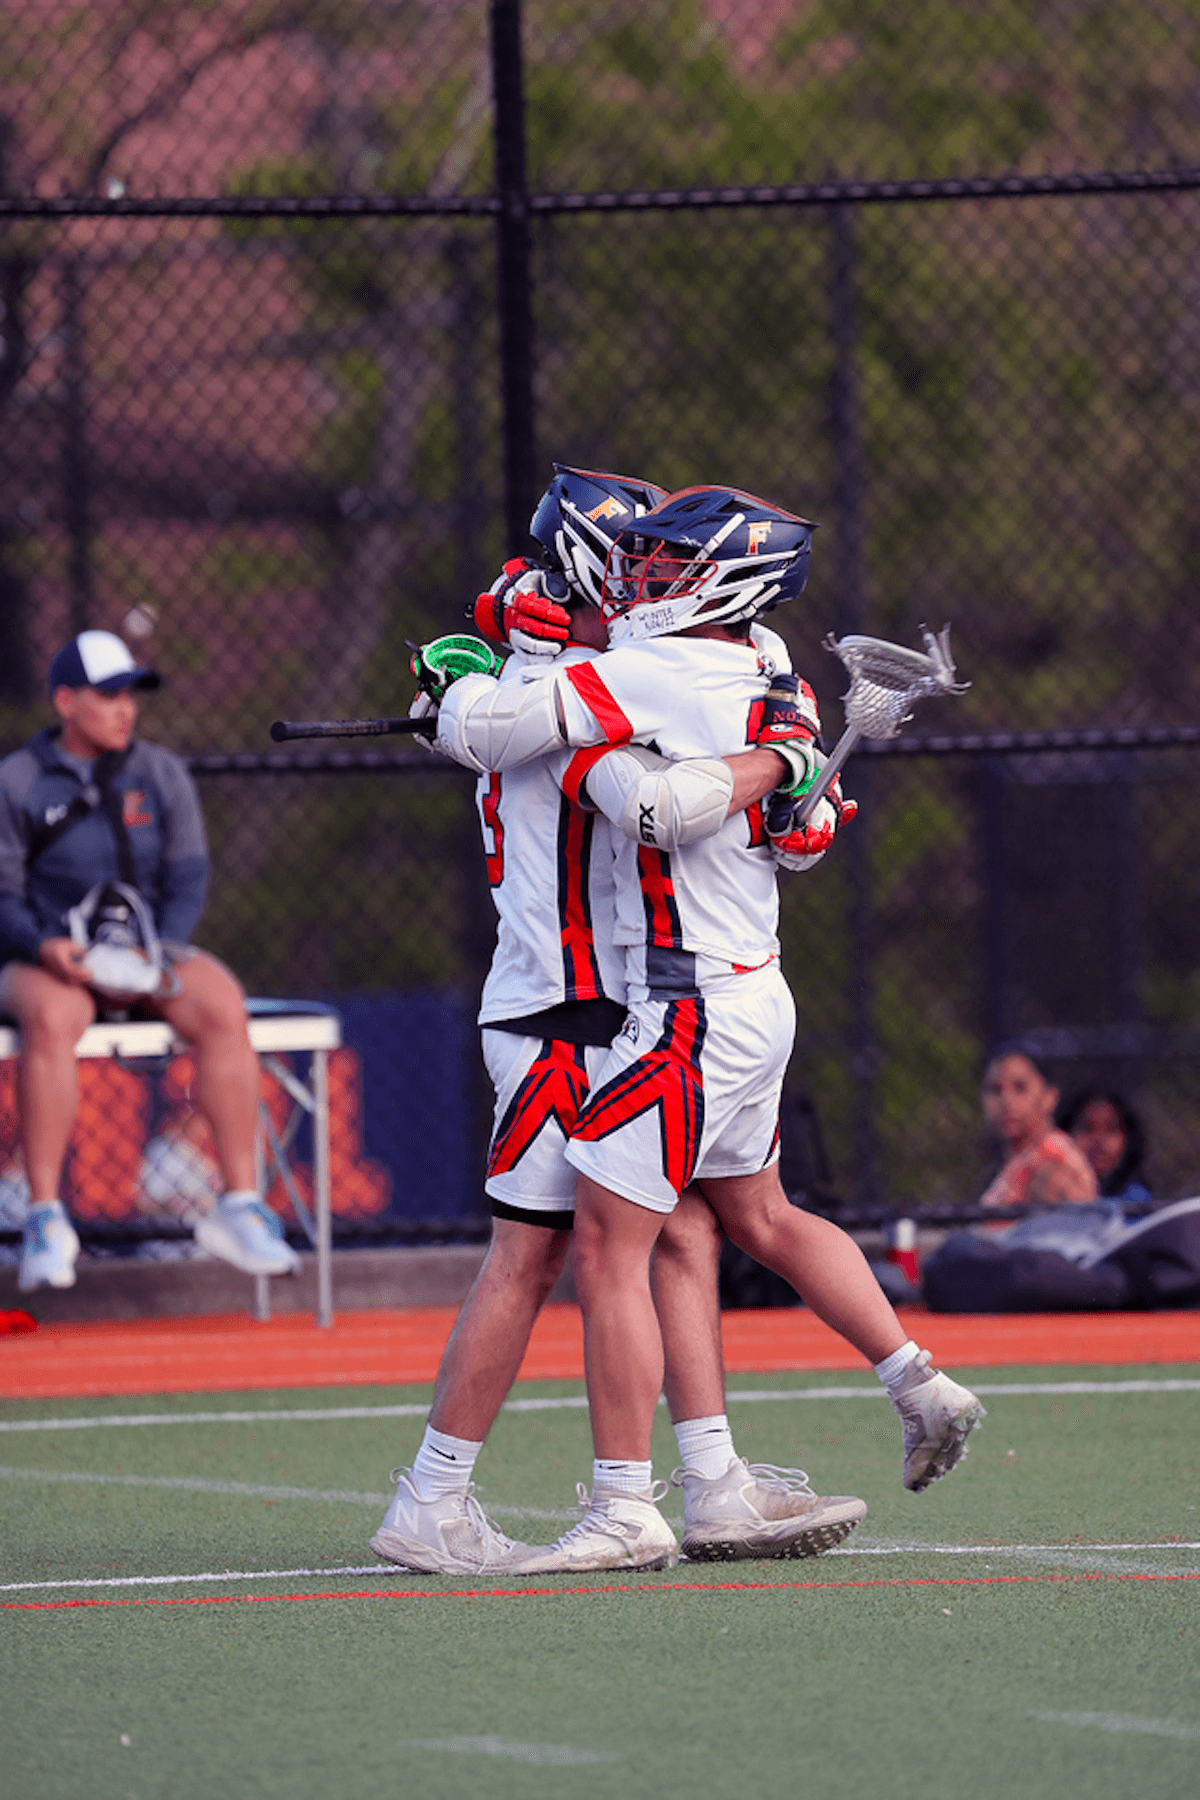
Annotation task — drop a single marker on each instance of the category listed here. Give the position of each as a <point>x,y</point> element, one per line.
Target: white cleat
<point>249,1236</point>
<point>48,1248</point>
<point>757,1510</point>
<point>451,1535</point>
<point>937,1415</point>
<point>617,1531</point>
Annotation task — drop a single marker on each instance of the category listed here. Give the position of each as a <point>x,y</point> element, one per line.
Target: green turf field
<point>1026,1627</point>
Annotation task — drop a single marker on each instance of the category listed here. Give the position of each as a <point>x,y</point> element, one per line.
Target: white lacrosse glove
<point>523,608</point>
<point>800,846</point>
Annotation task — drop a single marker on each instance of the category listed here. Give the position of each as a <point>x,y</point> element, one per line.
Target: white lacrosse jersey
<point>550,868</point>
<point>711,907</point>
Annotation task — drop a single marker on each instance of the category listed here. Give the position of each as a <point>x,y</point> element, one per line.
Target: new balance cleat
<point>757,1510</point>
<point>617,1531</point>
<point>249,1236</point>
<point>49,1247</point>
<point>937,1415</point>
<point>451,1535</point>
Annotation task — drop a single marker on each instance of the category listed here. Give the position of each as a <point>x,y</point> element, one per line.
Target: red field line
<point>529,1593</point>
<point>393,1347</point>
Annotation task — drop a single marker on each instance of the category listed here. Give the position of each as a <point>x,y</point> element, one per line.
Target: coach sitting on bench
<point>103,874</point>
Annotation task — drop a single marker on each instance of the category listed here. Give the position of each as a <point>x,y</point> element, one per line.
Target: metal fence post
<point>76,496</point>
<point>515,280</point>
<point>849,494</point>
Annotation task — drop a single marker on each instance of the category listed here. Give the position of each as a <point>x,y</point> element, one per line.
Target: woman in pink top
<point>1042,1165</point>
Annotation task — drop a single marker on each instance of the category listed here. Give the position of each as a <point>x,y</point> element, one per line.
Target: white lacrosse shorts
<point>689,1090</point>
<point>541,1085</point>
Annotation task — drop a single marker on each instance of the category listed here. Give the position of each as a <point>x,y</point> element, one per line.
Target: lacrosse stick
<point>283,729</point>
<point>886,681</point>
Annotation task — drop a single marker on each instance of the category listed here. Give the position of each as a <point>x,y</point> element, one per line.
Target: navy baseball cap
<point>99,659</point>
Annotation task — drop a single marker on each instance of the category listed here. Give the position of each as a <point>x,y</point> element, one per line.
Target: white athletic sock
<point>706,1446</point>
<point>234,1199</point>
<point>612,1477</point>
<point>892,1369</point>
<point>443,1464</point>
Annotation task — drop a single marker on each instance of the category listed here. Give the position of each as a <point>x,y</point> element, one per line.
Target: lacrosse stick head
<point>887,680</point>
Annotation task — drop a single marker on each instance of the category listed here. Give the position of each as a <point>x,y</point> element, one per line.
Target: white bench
<point>276,1027</point>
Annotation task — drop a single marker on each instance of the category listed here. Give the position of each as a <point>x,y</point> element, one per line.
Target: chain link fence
<point>301,301</point>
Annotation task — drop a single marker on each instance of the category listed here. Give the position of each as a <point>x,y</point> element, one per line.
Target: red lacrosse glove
<point>800,846</point>
<point>523,609</point>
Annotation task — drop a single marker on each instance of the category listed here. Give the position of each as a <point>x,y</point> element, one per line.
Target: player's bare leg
<point>209,1011</point>
<point>832,1276</point>
<point>683,1284</point>
<point>732,1508</point>
<point>820,1260</point>
<point>484,1351</point>
<point>622,1341</point>
<point>434,1524</point>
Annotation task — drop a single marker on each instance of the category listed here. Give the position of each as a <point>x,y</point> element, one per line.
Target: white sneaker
<point>937,1415</point>
<point>755,1509</point>
<point>448,1536</point>
<point>249,1236</point>
<point>617,1531</point>
<point>49,1247</point>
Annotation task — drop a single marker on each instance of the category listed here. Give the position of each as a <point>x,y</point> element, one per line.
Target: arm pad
<point>660,803</point>
<point>485,724</point>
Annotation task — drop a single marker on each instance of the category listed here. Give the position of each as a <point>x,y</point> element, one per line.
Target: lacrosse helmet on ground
<point>705,556</point>
<point>580,515</point>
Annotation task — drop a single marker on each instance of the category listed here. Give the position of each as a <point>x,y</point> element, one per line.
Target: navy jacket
<point>161,810</point>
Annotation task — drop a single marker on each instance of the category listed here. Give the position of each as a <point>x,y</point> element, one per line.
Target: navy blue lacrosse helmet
<point>580,515</point>
<point>705,556</point>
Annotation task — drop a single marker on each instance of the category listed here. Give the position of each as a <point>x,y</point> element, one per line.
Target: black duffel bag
<point>973,1273</point>
<point>1152,1263</point>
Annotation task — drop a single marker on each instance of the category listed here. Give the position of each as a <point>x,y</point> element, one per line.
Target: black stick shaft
<point>283,729</point>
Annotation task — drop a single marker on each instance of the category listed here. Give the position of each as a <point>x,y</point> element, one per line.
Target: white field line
<point>1034,1552</point>
<point>556,1402</point>
<point>1170,1728</point>
<point>559,1754</point>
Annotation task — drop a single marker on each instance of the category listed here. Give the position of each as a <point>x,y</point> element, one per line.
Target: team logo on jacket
<point>629,1029</point>
<point>134,810</point>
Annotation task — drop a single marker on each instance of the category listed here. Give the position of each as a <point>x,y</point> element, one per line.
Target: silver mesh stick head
<point>887,680</point>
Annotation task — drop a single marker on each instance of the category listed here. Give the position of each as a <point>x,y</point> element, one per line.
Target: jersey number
<point>493,831</point>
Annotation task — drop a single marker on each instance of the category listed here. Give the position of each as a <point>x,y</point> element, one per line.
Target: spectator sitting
<point>1042,1166</point>
<point>1109,1132</point>
<point>85,812</point>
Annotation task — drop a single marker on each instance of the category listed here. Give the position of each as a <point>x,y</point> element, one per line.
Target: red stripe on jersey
<point>756,820</point>
<point>668,1078</point>
<point>600,703</point>
<point>581,971</point>
<point>493,846</point>
<point>578,769</point>
<point>658,899</point>
<point>555,1088</point>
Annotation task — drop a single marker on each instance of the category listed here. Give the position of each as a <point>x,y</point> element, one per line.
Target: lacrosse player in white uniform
<point>551,1005</point>
<point>689,1092</point>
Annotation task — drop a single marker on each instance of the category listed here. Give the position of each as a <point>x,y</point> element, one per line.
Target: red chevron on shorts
<point>667,1077</point>
<point>556,1087</point>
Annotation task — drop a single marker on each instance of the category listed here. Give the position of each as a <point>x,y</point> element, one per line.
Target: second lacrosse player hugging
<point>642,756</point>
